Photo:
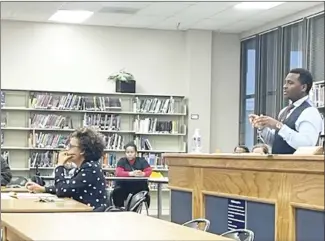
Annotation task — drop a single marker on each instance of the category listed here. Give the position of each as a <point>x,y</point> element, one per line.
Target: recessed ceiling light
<point>257,5</point>
<point>70,16</point>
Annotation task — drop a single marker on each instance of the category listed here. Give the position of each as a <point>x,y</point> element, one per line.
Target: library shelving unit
<point>35,125</point>
<point>317,97</point>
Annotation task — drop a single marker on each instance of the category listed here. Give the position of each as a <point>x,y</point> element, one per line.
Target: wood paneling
<point>287,181</point>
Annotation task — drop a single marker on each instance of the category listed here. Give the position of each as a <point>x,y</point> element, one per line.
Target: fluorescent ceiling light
<point>257,5</point>
<point>70,16</point>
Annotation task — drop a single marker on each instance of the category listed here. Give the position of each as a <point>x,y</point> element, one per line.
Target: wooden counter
<point>284,194</point>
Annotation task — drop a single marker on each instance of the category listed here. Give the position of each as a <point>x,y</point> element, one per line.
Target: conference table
<point>96,226</point>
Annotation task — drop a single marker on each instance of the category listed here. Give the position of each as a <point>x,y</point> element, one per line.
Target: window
<point>269,76</point>
<point>248,83</point>
<point>293,46</point>
<point>316,47</point>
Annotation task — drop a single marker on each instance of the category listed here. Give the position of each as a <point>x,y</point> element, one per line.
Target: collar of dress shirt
<point>300,101</point>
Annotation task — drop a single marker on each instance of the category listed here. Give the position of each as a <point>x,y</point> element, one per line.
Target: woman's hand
<point>63,158</point>
<point>34,187</point>
<point>139,173</point>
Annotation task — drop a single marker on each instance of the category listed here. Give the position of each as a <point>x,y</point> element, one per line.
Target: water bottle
<point>196,141</point>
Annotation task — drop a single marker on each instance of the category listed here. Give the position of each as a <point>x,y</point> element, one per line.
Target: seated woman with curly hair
<point>88,184</point>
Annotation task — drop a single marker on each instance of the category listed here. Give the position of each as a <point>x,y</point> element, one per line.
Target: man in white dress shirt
<point>299,124</point>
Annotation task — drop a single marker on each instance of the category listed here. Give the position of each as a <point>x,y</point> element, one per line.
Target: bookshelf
<point>35,125</point>
<point>317,97</point>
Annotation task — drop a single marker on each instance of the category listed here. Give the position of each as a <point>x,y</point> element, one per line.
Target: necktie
<point>285,113</point>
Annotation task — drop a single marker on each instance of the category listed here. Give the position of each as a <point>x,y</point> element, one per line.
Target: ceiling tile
<point>177,22</point>
<point>238,27</point>
<point>86,6</point>
<point>106,19</point>
<point>209,24</point>
<point>204,9</point>
<point>234,14</point>
<point>137,5</point>
<point>140,21</point>
<point>164,8</point>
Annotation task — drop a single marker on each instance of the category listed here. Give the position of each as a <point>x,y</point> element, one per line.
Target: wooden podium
<point>283,194</point>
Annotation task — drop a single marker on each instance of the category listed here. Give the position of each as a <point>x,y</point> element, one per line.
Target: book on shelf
<point>5,155</point>
<point>50,121</point>
<point>43,159</point>
<point>142,143</point>
<point>3,98</point>
<point>2,138</point>
<point>73,102</point>
<point>114,141</point>
<point>109,160</point>
<point>317,94</point>
<point>102,122</point>
<point>47,140</point>
<point>3,119</point>
<point>153,125</point>
<point>154,105</point>
<point>154,160</point>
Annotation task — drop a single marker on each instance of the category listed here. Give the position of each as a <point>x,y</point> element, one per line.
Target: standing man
<point>299,124</point>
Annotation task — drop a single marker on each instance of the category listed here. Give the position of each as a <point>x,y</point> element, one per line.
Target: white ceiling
<point>218,16</point>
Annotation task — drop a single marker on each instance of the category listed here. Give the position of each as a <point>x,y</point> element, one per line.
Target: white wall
<point>225,95</point>
<point>80,58</point>
<point>198,64</point>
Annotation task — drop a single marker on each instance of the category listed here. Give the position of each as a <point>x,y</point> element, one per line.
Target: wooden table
<point>96,226</point>
<point>32,205</point>
<point>10,189</point>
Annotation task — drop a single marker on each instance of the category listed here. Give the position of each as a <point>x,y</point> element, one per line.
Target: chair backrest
<point>18,181</point>
<point>134,202</point>
<point>196,223</point>
<point>239,235</point>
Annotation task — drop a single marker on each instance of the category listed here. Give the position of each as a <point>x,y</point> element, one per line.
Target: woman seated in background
<point>87,185</point>
<point>241,149</point>
<point>260,148</point>
<point>130,166</point>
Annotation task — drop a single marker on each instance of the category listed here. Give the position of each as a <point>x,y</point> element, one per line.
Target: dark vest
<point>279,145</point>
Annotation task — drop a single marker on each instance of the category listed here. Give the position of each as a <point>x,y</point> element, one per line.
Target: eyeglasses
<point>70,146</point>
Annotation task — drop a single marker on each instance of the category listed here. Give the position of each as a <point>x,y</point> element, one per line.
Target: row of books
<point>43,159</point>
<point>48,159</point>
<point>3,119</point>
<point>153,125</point>
<point>102,121</point>
<point>154,105</point>
<point>143,143</point>
<point>49,140</point>
<point>317,94</point>
<point>50,121</point>
<point>3,98</point>
<point>73,102</point>
<point>5,155</point>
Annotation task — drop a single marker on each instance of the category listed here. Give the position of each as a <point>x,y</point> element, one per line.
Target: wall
<point>198,64</point>
<point>225,92</point>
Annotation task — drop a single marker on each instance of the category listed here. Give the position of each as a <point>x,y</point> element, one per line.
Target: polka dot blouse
<point>87,185</point>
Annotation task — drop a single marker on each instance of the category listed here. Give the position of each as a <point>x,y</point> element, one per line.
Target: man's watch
<point>279,125</point>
